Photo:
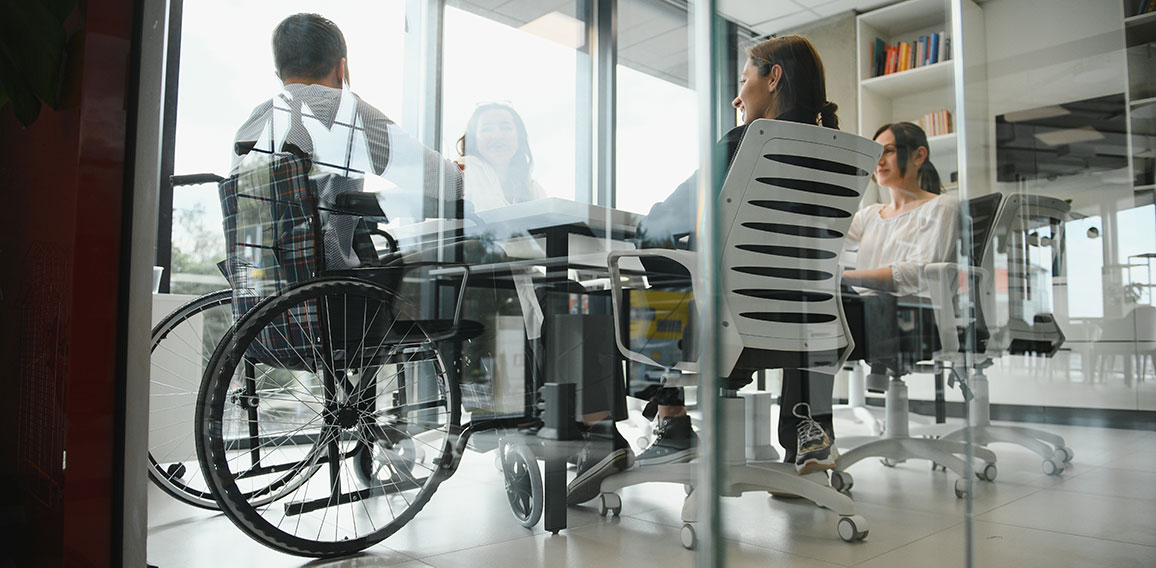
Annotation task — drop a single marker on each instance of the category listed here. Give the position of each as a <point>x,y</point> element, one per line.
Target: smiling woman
<point>498,159</point>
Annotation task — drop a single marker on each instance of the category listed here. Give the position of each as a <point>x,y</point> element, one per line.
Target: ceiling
<point>652,34</point>
<point>768,17</point>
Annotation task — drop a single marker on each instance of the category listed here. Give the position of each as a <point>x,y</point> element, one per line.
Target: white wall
<point>1053,51</point>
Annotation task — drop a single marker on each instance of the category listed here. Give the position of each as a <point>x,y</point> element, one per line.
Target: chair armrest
<point>943,283</point>
<point>688,260</point>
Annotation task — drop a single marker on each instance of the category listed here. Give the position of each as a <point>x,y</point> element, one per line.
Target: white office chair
<point>1020,217</point>
<point>897,445</point>
<point>785,207</point>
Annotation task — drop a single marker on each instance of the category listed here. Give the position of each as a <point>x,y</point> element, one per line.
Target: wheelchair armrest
<point>363,204</point>
<point>687,259</point>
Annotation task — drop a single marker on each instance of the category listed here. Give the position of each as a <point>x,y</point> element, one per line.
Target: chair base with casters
<point>1051,447</point>
<point>739,476</point>
<point>897,446</point>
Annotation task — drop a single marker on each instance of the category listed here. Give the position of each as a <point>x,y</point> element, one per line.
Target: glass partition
<point>623,357</point>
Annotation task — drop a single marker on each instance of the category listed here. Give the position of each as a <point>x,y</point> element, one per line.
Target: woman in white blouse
<point>498,162</point>
<point>895,242</point>
<point>918,227</point>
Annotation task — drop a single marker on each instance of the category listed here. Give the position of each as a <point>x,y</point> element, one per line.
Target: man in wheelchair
<point>318,117</point>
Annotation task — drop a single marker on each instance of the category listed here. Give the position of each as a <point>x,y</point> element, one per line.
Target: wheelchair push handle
<point>194,179</point>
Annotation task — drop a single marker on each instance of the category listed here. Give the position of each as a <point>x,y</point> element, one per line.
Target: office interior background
<point>1049,102</point>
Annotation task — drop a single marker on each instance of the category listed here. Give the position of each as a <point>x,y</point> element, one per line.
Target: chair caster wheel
<point>988,472</point>
<point>611,504</point>
<point>888,462</point>
<point>937,467</point>
<point>841,481</point>
<point>689,540</point>
<point>1051,466</point>
<point>961,488</point>
<point>852,528</point>
<point>1065,454</point>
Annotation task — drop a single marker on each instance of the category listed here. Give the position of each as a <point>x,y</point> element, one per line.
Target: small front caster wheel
<point>1051,466</point>
<point>988,472</point>
<point>689,540</point>
<point>841,481</point>
<point>523,480</point>
<point>611,503</point>
<point>960,488</point>
<point>888,462</point>
<point>1065,454</point>
<point>687,488</point>
<point>853,528</point>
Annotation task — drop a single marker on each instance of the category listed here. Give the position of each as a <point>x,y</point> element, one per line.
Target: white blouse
<point>907,242</point>
<point>484,189</point>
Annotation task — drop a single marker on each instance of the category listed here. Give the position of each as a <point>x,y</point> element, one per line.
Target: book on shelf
<point>904,55</point>
<point>936,123</point>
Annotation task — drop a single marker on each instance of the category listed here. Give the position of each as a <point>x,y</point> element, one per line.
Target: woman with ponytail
<point>919,226</point>
<point>782,80</point>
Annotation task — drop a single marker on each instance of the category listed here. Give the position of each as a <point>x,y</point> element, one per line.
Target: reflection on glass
<point>499,164</point>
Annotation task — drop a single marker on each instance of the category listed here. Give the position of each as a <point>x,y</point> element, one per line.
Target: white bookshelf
<point>1140,46</point>
<point>908,95</point>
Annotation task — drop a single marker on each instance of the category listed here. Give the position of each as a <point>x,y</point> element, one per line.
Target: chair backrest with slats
<point>785,209</point>
<point>1026,223</point>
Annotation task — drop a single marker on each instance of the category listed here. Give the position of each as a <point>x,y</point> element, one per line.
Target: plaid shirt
<point>345,138</point>
<point>269,212</point>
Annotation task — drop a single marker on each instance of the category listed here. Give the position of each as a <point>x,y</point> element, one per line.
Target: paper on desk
<point>531,311</point>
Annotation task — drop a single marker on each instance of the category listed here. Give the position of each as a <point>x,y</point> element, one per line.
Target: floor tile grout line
<point>1112,540</point>
<point>1129,498</point>
<point>909,543</point>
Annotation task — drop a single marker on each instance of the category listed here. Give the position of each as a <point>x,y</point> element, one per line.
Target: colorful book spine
<point>904,55</point>
<point>936,123</point>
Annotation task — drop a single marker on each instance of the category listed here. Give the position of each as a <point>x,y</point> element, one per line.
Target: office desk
<point>557,233</point>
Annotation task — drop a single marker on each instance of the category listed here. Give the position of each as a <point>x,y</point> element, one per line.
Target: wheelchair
<point>327,411</point>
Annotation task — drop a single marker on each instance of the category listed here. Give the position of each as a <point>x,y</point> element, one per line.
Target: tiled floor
<point>1100,512</point>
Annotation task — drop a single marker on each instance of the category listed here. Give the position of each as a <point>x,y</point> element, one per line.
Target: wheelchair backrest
<point>273,241</point>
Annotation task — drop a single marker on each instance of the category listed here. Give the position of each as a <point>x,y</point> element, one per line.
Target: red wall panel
<point>63,189</point>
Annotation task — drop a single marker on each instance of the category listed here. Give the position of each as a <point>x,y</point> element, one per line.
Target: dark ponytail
<point>827,116</point>
<point>908,138</point>
<point>929,178</point>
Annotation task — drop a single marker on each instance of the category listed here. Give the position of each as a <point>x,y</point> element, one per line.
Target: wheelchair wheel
<point>331,401</point>
<point>182,344</point>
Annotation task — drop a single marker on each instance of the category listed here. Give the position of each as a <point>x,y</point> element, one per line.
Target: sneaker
<point>674,442</point>
<point>815,451</point>
<point>604,454</point>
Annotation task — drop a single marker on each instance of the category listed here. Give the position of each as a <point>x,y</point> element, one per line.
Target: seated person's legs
<point>806,430</point>
<point>674,439</point>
